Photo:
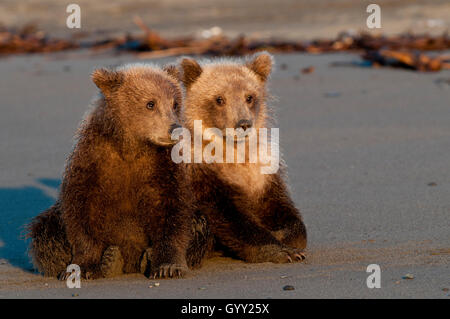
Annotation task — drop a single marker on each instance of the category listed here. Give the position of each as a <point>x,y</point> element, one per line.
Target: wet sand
<point>362,147</point>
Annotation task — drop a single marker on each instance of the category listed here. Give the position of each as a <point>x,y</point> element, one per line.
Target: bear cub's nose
<point>244,124</point>
<point>173,127</point>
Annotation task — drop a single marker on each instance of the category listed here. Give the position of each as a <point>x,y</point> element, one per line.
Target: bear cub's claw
<point>63,275</point>
<point>294,254</point>
<point>170,271</point>
<point>278,254</point>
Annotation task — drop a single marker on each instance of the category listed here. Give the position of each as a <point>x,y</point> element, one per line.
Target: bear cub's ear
<point>261,64</point>
<point>173,71</point>
<point>107,80</point>
<point>191,71</point>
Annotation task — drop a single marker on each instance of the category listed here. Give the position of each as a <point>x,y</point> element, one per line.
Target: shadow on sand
<point>18,207</point>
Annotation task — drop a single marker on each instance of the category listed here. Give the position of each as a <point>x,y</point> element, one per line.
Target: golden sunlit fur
<point>250,213</point>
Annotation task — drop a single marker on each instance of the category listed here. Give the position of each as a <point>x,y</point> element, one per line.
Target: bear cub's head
<point>226,93</point>
<point>141,101</point>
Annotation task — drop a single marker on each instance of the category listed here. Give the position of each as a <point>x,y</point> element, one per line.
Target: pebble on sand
<point>332,94</point>
<point>308,70</point>
<point>408,276</point>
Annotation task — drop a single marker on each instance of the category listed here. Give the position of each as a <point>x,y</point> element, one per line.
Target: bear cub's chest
<point>247,177</point>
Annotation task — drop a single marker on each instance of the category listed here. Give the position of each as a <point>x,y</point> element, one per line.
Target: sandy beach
<point>368,155</point>
<point>367,149</point>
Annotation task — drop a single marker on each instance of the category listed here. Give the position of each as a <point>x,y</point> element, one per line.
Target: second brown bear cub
<point>121,189</point>
<point>249,213</point>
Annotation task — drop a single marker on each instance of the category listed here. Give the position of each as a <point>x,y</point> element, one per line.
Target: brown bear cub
<point>250,214</point>
<point>121,192</point>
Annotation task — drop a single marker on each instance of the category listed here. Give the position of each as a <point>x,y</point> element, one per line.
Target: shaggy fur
<point>121,192</point>
<point>249,213</point>
<point>50,249</point>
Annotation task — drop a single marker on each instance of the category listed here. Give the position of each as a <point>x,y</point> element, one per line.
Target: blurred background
<point>301,19</point>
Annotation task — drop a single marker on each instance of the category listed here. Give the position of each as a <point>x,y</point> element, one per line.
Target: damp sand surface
<point>368,156</point>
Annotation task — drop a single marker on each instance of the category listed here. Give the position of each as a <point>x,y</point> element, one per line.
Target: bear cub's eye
<point>249,99</point>
<point>151,105</point>
<point>175,105</point>
<point>219,100</point>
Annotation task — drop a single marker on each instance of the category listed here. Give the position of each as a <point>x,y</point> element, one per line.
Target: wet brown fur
<point>120,186</point>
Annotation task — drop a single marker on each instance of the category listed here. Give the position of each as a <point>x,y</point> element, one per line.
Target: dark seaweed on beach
<point>403,51</point>
<point>408,60</point>
<point>30,40</point>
